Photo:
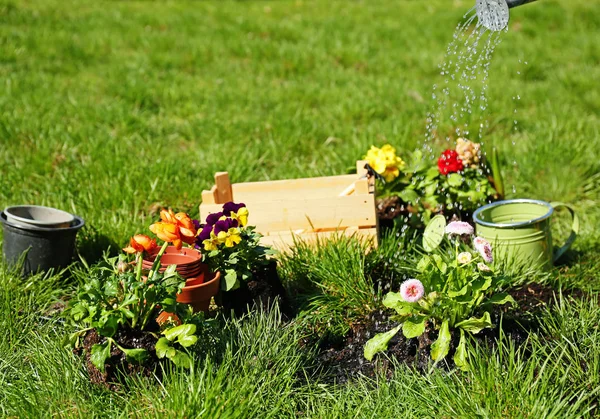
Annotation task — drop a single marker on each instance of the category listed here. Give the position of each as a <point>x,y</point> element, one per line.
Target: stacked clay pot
<point>200,285</point>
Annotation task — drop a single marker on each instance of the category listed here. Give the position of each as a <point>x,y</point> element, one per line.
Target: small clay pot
<point>188,261</point>
<point>165,317</point>
<point>198,295</point>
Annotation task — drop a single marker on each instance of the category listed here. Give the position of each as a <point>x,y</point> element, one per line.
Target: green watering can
<point>519,231</point>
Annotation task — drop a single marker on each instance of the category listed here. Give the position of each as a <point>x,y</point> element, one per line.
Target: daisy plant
<point>456,288</point>
<point>230,245</point>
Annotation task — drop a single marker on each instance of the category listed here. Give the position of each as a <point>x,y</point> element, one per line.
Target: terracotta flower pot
<point>165,317</point>
<point>188,261</point>
<point>198,295</point>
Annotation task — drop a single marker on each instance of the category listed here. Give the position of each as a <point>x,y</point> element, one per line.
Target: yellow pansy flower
<point>231,237</point>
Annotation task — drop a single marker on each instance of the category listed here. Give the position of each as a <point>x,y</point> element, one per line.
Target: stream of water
<point>460,102</point>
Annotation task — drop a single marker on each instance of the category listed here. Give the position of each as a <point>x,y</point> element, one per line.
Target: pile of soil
<point>263,291</point>
<point>343,360</point>
<point>116,366</point>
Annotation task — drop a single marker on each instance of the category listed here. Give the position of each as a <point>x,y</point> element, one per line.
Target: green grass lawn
<point>113,109</point>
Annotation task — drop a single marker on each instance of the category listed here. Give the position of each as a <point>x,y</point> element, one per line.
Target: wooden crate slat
<point>281,190</point>
<point>306,214</point>
<point>283,241</point>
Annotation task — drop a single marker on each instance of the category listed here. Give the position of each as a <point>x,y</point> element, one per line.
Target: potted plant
<point>232,247</point>
<point>459,182</point>
<point>179,229</point>
<point>455,291</point>
<point>115,315</point>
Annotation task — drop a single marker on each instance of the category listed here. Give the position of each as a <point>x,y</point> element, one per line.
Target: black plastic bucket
<point>47,248</point>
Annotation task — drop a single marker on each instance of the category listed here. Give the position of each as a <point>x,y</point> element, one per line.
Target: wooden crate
<point>309,209</point>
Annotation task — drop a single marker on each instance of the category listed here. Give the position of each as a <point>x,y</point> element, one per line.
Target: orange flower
<point>175,228</point>
<point>187,230</point>
<point>167,232</point>
<point>168,216</point>
<point>140,243</point>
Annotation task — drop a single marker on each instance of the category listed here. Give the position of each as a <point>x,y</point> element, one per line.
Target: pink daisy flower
<point>412,290</point>
<point>459,228</point>
<point>484,248</point>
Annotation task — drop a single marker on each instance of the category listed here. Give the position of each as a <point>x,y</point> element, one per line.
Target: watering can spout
<point>494,14</point>
<point>515,3</point>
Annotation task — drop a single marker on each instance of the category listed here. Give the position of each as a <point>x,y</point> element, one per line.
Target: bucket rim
<point>77,223</point>
<point>12,212</point>
<point>479,221</point>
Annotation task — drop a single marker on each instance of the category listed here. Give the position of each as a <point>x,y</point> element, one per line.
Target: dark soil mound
<point>262,291</point>
<point>343,360</point>
<point>117,365</point>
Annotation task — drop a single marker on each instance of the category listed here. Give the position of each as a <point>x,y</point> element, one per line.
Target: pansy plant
<point>231,246</point>
<point>454,293</point>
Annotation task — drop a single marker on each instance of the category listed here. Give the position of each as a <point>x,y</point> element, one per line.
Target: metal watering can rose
<point>520,231</point>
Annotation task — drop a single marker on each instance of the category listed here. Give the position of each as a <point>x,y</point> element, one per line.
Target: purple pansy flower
<point>197,224</point>
<point>205,233</point>
<point>225,225</point>
<point>213,218</point>
<point>230,207</point>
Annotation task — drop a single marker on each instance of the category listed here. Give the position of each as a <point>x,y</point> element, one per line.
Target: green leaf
<point>393,299</point>
<point>501,298</point>
<point>423,264</point>
<point>460,356</point>
<point>432,173</point>
<point>187,341</point>
<point>163,348</point>
<point>379,342</point>
<point>482,284</point>
<point>409,195</point>
<point>440,348</point>
<point>434,233</point>
<point>231,281</point>
<point>111,288</point>
<point>462,291</point>
<point>128,313</point>
<point>183,329</point>
<point>475,325</point>
<point>181,359</point>
<point>414,326</point>
<point>100,353</point>
<point>108,324</point>
<point>439,262</point>
<point>78,312</point>
<point>455,180</point>
<point>170,271</point>
<point>135,355</point>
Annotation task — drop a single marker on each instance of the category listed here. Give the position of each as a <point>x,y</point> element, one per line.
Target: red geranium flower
<point>449,162</point>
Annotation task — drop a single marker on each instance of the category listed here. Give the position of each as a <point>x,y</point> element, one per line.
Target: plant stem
<point>138,274</point>
<point>156,263</point>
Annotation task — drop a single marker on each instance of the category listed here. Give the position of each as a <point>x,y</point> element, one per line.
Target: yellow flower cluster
<point>385,161</point>
<point>230,238</point>
<point>469,152</point>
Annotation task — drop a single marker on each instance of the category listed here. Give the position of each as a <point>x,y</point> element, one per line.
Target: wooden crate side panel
<point>282,190</point>
<point>308,214</point>
<point>283,241</point>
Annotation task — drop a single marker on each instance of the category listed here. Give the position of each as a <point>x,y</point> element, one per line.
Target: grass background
<point>113,109</point>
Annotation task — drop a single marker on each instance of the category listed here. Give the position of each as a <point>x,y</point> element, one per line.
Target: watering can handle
<point>574,229</point>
